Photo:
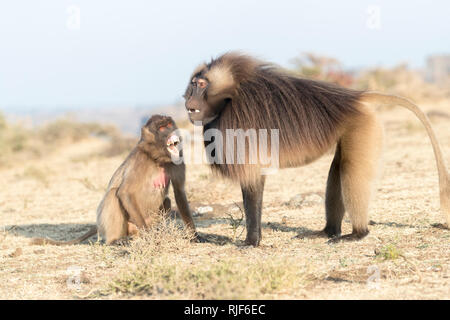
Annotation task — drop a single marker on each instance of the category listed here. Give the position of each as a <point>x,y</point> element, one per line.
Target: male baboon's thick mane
<point>309,114</point>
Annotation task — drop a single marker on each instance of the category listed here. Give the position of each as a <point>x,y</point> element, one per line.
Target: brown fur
<point>131,202</point>
<point>311,116</point>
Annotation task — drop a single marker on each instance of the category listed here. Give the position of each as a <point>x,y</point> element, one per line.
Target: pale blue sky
<point>142,52</point>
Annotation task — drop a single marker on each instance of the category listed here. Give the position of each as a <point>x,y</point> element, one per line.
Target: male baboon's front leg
<point>167,204</point>
<point>183,207</point>
<point>252,197</point>
<point>334,204</point>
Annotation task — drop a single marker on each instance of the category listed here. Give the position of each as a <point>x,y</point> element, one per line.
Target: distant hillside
<point>127,119</point>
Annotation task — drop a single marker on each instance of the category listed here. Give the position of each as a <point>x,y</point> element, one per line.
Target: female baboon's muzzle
<point>174,145</point>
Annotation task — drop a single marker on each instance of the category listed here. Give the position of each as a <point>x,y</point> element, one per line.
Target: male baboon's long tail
<point>444,177</point>
<point>42,241</point>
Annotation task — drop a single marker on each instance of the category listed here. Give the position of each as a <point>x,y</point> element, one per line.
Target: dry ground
<point>403,257</point>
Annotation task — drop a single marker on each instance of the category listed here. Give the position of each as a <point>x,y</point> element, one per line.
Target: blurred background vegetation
<point>18,142</point>
<point>400,79</point>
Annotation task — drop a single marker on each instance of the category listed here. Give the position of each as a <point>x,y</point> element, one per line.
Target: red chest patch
<point>161,180</point>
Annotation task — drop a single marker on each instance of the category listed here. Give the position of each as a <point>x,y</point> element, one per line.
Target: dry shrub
<point>37,174</point>
<point>19,143</point>
<point>323,68</point>
<point>118,145</point>
<point>388,252</point>
<point>13,139</point>
<point>160,264</point>
<point>165,236</point>
<point>66,130</point>
<point>402,81</point>
<point>230,278</point>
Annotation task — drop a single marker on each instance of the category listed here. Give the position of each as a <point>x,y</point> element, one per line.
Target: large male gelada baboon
<point>236,91</point>
<point>137,192</point>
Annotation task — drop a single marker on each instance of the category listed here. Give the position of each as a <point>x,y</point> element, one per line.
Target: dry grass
<point>403,257</point>
<point>162,264</point>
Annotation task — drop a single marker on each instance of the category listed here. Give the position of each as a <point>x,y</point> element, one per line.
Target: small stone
<point>296,201</point>
<point>203,210</point>
<point>313,199</point>
<point>16,253</point>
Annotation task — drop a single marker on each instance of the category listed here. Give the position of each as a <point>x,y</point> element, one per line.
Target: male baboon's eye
<point>202,83</point>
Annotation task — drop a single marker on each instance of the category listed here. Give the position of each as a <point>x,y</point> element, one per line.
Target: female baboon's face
<point>159,133</point>
<point>202,107</point>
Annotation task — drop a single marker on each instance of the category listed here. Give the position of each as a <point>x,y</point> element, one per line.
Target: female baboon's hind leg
<point>112,220</point>
<point>334,204</point>
<point>360,153</point>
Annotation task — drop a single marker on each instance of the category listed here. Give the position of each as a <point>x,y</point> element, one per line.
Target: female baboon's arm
<point>178,178</point>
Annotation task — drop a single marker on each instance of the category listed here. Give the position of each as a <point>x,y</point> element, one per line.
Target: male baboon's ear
<point>147,135</point>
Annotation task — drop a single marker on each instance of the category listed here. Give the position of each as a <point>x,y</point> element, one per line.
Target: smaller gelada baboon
<point>137,192</point>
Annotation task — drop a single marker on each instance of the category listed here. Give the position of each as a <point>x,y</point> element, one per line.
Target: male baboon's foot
<point>332,231</point>
<point>198,239</point>
<point>354,236</point>
<point>253,239</point>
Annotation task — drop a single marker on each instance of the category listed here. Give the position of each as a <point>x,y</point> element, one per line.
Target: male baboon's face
<point>160,133</point>
<point>202,107</point>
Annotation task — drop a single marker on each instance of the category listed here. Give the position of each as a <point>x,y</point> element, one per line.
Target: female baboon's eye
<point>169,125</point>
<point>161,129</point>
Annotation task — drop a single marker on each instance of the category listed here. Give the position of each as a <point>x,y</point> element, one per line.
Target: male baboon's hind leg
<point>360,152</point>
<point>334,204</point>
